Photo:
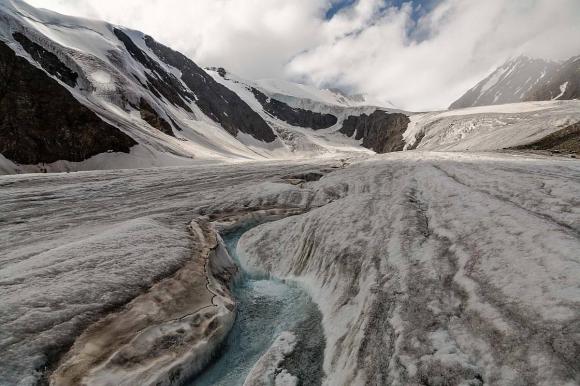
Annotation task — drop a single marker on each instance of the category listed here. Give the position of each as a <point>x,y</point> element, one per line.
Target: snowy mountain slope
<point>284,105</point>
<point>169,106</point>
<point>489,127</point>
<point>119,72</point>
<point>32,104</point>
<point>562,84</point>
<point>294,93</point>
<point>170,112</point>
<point>510,83</point>
<point>172,109</point>
<point>482,128</point>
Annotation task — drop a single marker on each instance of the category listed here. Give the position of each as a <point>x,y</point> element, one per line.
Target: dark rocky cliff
<point>159,82</point>
<point>149,115</point>
<point>49,61</point>
<point>294,116</point>
<point>41,122</point>
<point>380,131</point>
<point>214,100</point>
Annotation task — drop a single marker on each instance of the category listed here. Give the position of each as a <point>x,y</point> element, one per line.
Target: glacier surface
<point>427,267</point>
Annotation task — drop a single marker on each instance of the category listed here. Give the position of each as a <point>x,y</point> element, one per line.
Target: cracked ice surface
<point>450,268</point>
<point>428,268</point>
<point>74,247</point>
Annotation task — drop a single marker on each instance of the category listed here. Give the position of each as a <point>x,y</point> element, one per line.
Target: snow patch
<point>563,88</point>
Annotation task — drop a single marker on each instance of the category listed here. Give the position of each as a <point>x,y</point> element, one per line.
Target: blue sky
<point>336,6</point>
<point>420,7</point>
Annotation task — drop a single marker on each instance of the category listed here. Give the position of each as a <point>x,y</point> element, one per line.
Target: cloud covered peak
<point>417,54</point>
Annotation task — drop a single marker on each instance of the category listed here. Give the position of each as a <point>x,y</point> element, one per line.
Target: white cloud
<point>254,38</point>
<point>464,39</point>
<point>365,48</point>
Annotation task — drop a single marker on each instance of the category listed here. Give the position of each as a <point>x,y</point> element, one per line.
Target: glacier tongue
<point>101,239</point>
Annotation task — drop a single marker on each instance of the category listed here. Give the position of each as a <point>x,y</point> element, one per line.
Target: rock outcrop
<point>294,116</point>
<point>49,61</point>
<point>380,131</point>
<point>159,82</point>
<point>215,100</point>
<point>149,115</point>
<point>41,122</point>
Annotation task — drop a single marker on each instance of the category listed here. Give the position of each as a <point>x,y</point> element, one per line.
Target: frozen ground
<point>428,268</point>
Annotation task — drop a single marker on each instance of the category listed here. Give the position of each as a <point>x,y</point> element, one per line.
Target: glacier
<point>425,265</point>
<point>247,232</point>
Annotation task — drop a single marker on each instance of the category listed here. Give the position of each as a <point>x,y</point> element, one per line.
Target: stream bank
<point>267,307</point>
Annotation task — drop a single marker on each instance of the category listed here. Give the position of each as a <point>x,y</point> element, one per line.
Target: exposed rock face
<point>565,140</point>
<point>380,131</point>
<point>41,122</point>
<point>294,116</point>
<point>215,100</point>
<point>49,61</point>
<point>563,84</point>
<point>161,83</point>
<point>175,125</point>
<point>418,138</point>
<point>220,70</point>
<point>149,115</point>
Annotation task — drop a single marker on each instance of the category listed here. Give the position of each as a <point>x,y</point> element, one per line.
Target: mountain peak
<point>517,80</point>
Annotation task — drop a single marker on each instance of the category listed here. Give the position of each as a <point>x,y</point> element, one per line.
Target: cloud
<point>368,46</point>
<point>255,38</point>
<point>461,41</point>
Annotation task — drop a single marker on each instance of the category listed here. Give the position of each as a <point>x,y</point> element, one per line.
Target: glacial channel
<point>267,307</point>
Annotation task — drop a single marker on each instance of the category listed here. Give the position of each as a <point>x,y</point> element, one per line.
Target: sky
<point>418,55</point>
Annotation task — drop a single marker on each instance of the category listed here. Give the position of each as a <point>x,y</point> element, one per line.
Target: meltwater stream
<point>266,308</point>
